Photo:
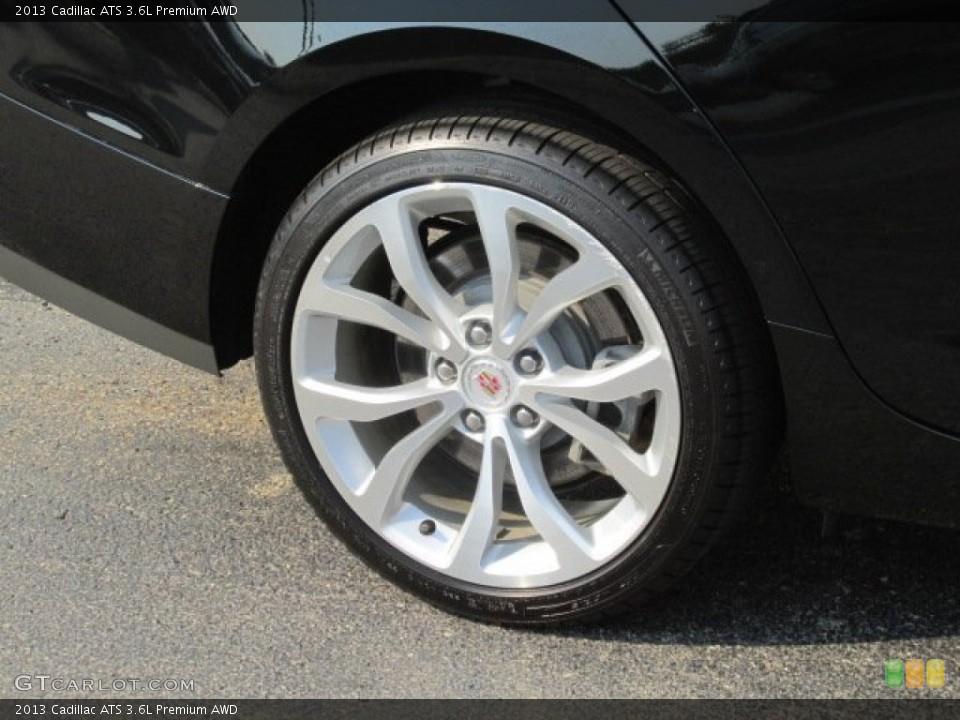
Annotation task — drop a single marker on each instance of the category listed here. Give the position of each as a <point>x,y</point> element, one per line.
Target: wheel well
<point>311,138</point>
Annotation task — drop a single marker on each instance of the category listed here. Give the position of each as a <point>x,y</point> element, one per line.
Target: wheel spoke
<point>347,303</point>
<point>637,473</point>
<point>398,233</point>
<point>647,370</point>
<point>589,275</point>
<point>343,401</point>
<point>498,231</point>
<point>381,495</point>
<point>480,375</point>
<point>480,525</point>
<point>541,506</point>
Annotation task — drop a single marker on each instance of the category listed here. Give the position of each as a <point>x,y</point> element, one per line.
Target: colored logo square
<point>914,669</point>
<point>936,674</point>
<point>893,673</point>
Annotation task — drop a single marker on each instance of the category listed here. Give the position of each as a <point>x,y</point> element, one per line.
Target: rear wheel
<point>515,369</point>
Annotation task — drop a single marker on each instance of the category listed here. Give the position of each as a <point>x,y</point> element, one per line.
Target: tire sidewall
<point>630,234</point>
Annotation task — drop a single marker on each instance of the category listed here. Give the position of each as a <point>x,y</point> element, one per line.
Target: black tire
<point>728,384</point>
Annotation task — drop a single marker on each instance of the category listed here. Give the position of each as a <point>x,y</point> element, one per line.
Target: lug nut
<point>479,334</point>
<point>473,420</point>
<point>446,371</point>
<point>524,417</point>
<point>529,362</point>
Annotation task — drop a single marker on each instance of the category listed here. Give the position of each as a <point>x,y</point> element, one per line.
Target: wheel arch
<point>305,115</point>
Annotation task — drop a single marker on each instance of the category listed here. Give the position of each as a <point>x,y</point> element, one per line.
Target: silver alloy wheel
<point>380,442</point>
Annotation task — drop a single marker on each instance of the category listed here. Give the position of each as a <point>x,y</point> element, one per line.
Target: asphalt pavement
<point>149,530</point>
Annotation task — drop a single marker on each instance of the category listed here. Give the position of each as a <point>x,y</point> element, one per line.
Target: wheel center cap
<point>486,383</point>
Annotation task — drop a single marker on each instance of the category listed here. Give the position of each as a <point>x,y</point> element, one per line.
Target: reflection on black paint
<point>169,86</point>
<point>849,130</point>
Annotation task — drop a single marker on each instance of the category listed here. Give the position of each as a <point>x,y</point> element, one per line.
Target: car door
<point>104,129</point>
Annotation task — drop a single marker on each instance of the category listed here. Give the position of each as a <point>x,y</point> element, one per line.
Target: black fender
<point>604,68</point>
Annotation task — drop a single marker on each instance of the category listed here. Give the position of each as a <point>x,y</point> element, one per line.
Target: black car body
<point>144,168</point>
